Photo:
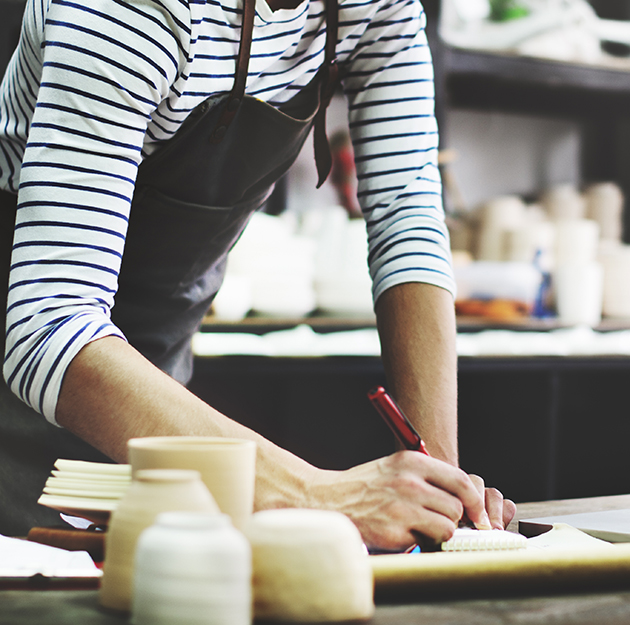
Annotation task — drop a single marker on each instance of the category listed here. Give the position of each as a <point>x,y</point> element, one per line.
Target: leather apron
<point>192,200</point>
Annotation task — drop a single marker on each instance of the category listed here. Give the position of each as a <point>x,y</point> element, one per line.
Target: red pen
<point>396,420</point>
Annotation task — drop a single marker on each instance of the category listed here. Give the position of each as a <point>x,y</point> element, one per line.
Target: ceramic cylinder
<point>577,241</point>
<point>533,243</point>
<point>564,201</point>
<point>227,467</point>
<point>192,569</point>
<point>499,217</point>
<point>579,293</point>
<point>151,492</point>
<point>604,204</point>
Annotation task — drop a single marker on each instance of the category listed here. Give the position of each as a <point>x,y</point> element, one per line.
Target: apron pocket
<point>171,244</point>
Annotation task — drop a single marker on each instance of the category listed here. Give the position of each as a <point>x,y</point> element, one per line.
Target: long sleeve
<point>100,82</point>
<point>390,90</point>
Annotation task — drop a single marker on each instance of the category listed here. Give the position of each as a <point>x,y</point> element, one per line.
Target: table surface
<point>61,607</point>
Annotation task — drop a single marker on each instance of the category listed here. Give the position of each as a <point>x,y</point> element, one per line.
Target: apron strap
<point>329,74</point>
<point>328,83</point>
<point>240,76</point>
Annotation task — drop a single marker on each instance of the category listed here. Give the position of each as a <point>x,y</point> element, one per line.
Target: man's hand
<point>393,499</point>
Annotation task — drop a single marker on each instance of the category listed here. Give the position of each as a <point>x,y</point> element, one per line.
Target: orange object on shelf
<point>495,309</point>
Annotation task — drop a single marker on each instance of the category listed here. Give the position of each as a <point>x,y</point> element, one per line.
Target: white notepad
<point>468,539</point>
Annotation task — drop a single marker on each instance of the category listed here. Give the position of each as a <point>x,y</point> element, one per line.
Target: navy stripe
<point>391,242</point>
<point>75,187</point>
<point>407,212</point>
<point>82,246</point>
<point>410,269</point>
<point>61,261</point>
<point>80,207</point>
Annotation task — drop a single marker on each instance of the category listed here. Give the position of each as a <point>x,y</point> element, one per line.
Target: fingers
<point>509,510</point>
<point>478,483</point>
<point>469,490</point>
<point>394,499</point>
<point>494,507</point>
<point>500,511</point>
<point>428,495</point>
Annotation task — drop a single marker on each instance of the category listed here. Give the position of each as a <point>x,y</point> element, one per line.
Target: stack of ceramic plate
<point>90,490</point>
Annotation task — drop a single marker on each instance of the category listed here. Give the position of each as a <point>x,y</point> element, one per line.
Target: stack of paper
<point>23,559</point>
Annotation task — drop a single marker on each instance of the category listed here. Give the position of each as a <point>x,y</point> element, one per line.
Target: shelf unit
<point>259,324</point>
<point>597,97</point>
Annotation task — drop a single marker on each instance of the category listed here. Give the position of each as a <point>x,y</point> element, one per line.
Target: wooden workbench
<point>612,607</point>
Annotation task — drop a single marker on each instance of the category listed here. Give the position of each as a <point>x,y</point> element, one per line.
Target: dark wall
<point>612,9</point>
<point>10,22</point>
<point>536,428</point>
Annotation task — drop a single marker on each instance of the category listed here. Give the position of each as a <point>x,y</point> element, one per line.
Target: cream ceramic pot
<point>227,467</point>
<point>192,568</point>
<point>151,492</point>
<point>309,566</point>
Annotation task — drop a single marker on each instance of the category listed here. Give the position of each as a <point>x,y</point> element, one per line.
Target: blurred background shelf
<point>509,71</point>
<point>596,97</point>
<point>258,324</point>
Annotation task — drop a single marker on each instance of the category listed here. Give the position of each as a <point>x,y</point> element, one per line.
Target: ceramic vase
<point>151,492</point>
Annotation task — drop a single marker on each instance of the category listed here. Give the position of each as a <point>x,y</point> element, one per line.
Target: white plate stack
<point>90,490</point>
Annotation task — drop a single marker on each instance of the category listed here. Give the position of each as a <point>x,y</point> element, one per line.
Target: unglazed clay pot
<point>309,566</point>
<point>192,568</point>
<point>151,492</point>
<point>227,467</point>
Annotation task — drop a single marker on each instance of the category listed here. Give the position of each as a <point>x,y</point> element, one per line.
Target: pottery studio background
<point>534,132</point>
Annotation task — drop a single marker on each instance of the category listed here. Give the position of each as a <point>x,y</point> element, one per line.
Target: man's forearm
<point>111,393</point>
<point>416,324</point>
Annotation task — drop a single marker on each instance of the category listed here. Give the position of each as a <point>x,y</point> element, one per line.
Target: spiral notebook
<point>468,539</point>
<point>471,539</point>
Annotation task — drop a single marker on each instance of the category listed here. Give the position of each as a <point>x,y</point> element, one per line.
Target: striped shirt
<point>96,85</point>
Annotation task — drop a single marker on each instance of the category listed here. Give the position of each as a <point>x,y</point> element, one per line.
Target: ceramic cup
<point>577,241</point>
<point>604,202</point>
<point>150,492</point>
<point>227,467</point>
<point>616,282</point>
<point>309,566</point>
<point>579,292</point>
<point>564,201</point>
<point>192,568</point>
<point>499,217</point>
